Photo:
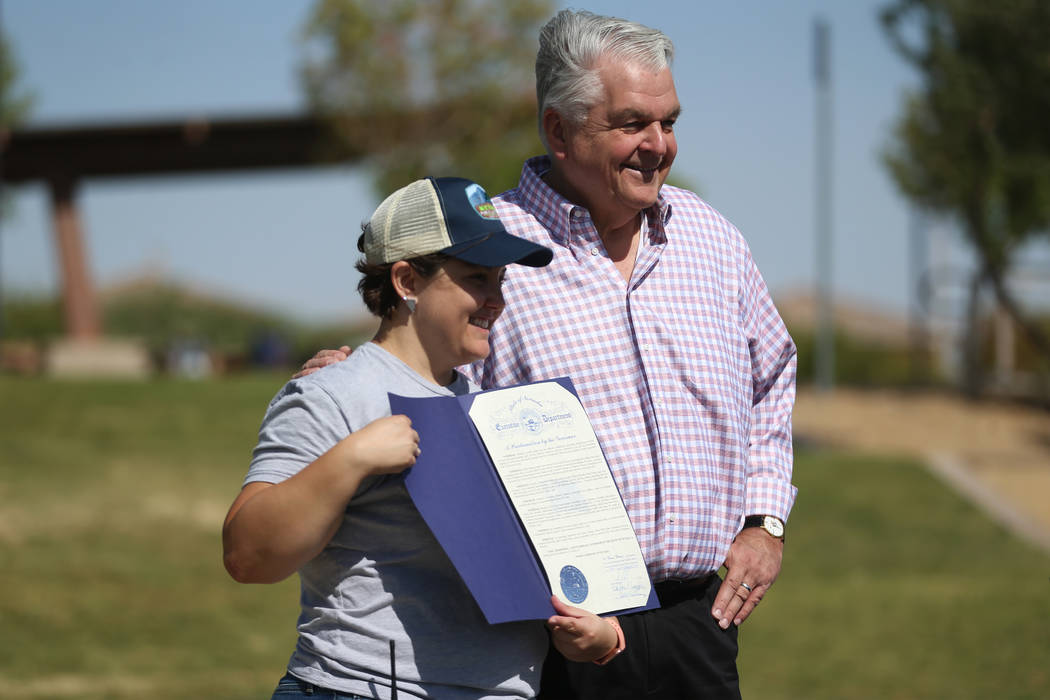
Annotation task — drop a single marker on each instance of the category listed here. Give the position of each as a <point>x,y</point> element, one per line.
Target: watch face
<point>773,526</point>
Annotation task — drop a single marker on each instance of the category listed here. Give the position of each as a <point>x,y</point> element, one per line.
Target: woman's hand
<point>386,445</point>
<point>579,635</point>
<point>273,529</point>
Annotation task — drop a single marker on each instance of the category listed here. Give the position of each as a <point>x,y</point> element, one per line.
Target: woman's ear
<point>404,278</point>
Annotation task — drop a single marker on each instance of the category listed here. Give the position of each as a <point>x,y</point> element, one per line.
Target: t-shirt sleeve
<point>302,423</point>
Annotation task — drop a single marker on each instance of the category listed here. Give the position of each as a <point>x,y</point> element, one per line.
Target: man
<point>655,309</point>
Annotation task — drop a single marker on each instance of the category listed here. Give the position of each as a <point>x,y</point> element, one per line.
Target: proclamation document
<point>554,472</point>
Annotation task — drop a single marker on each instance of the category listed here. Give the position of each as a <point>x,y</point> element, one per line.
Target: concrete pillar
<point>79,302</point>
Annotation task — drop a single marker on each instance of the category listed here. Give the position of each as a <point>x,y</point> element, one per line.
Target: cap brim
<point>499,248</point>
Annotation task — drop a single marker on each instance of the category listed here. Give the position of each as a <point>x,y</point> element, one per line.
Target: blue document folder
<point>460,496</point>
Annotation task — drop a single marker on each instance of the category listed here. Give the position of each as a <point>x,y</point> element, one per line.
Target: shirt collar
<point>554,211</point>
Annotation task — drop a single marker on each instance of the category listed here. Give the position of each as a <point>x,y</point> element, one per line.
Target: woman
<point>384,612</point>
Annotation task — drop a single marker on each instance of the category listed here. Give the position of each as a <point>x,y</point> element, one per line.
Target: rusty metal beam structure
<point>63,156</point>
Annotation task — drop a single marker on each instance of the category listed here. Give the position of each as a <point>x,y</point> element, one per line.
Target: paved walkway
<point>996,454</point>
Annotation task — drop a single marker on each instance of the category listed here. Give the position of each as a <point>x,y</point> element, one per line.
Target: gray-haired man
<point>655,308</point>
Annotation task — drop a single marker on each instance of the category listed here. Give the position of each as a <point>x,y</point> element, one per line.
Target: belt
<point>674,591</point>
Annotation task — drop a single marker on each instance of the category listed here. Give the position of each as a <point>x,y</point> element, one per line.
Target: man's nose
<point>655,139</point>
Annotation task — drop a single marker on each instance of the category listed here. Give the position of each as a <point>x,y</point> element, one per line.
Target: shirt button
<point>672,517</point>
<point>576,213</point>
<point>594,251</point>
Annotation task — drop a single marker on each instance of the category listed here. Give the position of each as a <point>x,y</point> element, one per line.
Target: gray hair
<point>571,45</point>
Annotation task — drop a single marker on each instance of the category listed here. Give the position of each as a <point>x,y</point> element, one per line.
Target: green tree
<point>973,143</point>
<point>14,108</point>
<point>428,87</point>
<point>14,105</point>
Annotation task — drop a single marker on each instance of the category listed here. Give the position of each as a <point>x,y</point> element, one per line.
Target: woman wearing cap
<point>383,611</point>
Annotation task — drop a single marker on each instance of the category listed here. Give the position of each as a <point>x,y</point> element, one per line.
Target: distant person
<point>656,310</point>
<point>382,605</point>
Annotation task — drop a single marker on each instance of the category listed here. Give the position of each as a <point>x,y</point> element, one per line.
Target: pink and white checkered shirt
<point>687,373</point>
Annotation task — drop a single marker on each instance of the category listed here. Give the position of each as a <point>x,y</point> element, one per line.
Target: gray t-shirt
<point>383,576</point>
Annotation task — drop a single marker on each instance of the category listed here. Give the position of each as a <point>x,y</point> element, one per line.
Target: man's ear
<point>404,278</point>
<point>555,128</point>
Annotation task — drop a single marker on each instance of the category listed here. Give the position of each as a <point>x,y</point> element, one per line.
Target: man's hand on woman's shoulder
<point>322,359</point>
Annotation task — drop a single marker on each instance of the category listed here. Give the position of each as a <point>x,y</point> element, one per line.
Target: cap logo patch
<point>480,201</point>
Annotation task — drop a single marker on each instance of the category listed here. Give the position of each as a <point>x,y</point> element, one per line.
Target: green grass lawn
<point>894,587</point>
<point>112,497</point>
<point>111,582</point>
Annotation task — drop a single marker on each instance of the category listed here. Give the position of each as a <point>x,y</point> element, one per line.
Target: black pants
<point>677,652</point>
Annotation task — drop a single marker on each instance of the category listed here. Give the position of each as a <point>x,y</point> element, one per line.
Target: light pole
<point>825,327</point>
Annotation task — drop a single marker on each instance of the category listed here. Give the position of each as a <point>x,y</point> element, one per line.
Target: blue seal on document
<point>573,584</point>
<point>531,421</point>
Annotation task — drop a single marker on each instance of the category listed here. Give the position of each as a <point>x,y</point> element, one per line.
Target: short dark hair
<point>376,287</point>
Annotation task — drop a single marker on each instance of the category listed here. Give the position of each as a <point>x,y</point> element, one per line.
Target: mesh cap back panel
<point>410,223</point>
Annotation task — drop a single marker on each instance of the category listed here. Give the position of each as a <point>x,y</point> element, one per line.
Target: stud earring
<point>410,303</point>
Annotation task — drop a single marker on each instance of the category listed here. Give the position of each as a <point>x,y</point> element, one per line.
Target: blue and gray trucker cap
<point>449,215</point>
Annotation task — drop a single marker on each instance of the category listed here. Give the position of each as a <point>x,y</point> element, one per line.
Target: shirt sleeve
<point>768,489</point>
<point>302,423</point>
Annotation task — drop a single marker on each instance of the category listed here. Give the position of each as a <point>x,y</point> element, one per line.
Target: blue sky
<point>286,239</point>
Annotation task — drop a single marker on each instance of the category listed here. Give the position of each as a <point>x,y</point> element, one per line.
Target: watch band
<point>770,523</point>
